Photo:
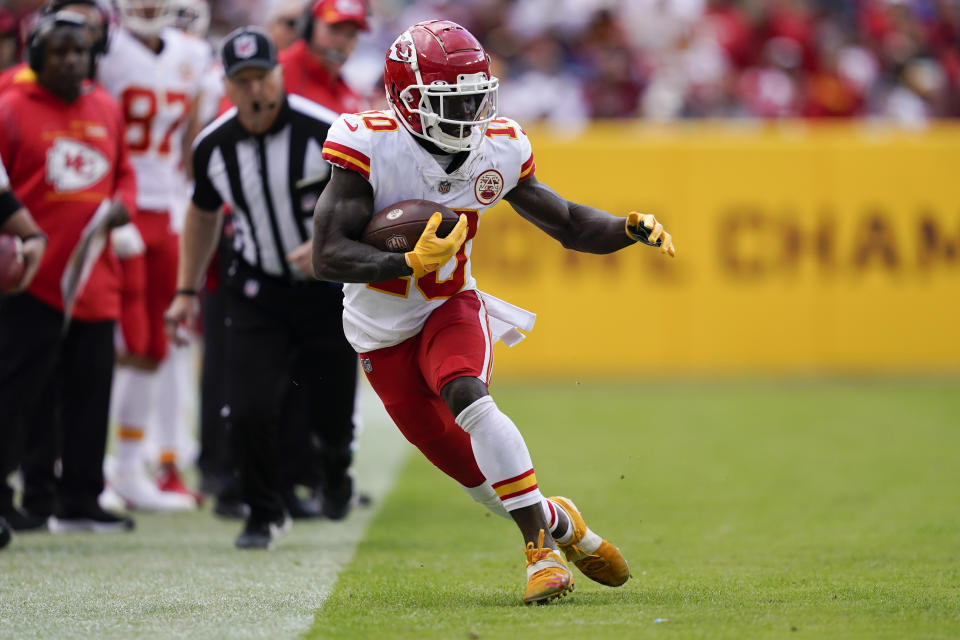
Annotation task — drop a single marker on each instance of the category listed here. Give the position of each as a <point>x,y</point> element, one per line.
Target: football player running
<point>156,72</point>
<point>423,331</point>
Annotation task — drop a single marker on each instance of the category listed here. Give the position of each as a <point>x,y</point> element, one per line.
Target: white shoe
<point>139,492</point>
<point>110,500</point>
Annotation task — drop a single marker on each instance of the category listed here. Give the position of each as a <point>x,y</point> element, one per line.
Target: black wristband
<point>9,205</point>
<point>186,292</point>
<point>38,234</point>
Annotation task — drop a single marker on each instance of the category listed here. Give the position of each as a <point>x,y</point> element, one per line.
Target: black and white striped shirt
<point>271,181</point>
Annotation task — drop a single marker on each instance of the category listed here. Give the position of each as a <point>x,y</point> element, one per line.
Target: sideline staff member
<point>263,158</point>
<point>64,158</point>
<point>16,220</point>
<point>314,62</point>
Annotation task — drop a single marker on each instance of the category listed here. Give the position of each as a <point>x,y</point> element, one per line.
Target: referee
<point>283,328</point>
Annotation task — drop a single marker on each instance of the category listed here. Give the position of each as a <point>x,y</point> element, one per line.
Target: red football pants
<point>408,377</point>
<point>149,282</point>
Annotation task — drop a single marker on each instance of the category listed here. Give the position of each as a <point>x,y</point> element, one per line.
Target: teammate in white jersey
<point>156,73</point>
<point>421,329</point>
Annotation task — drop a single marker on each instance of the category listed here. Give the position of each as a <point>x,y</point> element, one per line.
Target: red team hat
<point>334,11</point>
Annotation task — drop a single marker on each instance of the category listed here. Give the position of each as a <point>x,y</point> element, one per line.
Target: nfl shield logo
<point>444,187</point>
<point>251,288</point>
<point>397,242</point>
<point>366,364</point>
<point>245,46</point>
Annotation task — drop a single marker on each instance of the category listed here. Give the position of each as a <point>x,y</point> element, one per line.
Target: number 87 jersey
<point>375,145</point>
<point>156,93</point>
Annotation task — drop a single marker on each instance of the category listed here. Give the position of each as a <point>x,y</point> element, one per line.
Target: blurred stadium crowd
<point>670,59</point>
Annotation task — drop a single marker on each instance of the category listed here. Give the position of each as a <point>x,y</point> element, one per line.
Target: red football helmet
<point>437,78</point>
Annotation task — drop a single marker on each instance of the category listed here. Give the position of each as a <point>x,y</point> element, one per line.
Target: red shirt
<point>304,76</point>
<point>64,159</point>
<point>20,74</point>
<point>15,75</point>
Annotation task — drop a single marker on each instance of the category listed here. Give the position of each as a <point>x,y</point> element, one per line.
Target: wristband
<point>38,234</point>
<point>9,205</point>
<point>186,292</point>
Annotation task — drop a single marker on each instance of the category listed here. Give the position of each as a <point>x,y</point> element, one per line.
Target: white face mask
<point>454,117</point>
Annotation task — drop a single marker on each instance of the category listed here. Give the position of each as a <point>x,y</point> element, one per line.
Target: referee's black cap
<point>246,48</point>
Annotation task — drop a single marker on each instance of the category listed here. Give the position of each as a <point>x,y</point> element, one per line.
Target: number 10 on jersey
<point>430,285</point>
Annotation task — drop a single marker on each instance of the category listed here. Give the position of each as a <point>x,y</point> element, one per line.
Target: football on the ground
<point>11,262</point>
<point>398,227</point>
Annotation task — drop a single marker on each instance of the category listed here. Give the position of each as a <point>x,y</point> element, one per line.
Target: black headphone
<point>307,21</point>
<point>102,45</point>
<point>46,23</point>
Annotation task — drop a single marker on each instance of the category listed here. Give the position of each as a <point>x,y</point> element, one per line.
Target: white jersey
<point>156,92</point>
<point>4,180</point>
<point>376,146</point>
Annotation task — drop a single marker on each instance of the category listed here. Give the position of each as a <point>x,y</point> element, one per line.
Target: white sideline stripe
<point>379,458</point>
<point>123,585</point>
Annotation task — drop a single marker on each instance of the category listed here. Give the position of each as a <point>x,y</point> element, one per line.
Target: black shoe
<point>229,502</point>
<point>212,483</point>
<point>231,508</point>
<point>258,534</point>
<point>89,519</point>
<point>22,521</point>
<point>6,533</point>
<point>308,508</point>
<point>337,497</point>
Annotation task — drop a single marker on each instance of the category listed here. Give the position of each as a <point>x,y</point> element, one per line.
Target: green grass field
<point>746,510</point>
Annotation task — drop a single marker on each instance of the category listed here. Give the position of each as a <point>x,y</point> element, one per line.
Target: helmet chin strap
<point>447,142</point>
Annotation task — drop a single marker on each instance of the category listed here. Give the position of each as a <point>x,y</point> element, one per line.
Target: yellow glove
<point>432,252</point>
<point>643,227</point>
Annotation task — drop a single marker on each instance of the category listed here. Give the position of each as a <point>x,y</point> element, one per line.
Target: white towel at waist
<point>506,320</point>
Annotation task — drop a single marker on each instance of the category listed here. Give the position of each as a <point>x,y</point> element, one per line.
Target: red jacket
<point>304,76</point>
<point>63,161</point>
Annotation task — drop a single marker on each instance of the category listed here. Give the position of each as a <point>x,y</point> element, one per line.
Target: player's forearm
<point>594,231</point>
<point>201,230</point>
<point>349,261</point>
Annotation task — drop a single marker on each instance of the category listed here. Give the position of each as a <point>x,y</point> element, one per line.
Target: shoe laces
<point>535,554</point>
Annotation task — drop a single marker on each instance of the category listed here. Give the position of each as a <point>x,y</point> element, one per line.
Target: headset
<point>46,23</point>
<point>307,20</point>
<point>102,44</point>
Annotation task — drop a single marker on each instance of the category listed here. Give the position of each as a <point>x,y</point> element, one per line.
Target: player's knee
<point>460,393</point>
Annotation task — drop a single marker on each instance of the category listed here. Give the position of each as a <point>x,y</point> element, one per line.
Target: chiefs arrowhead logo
<point>402,49</point>
<point>74,166</point>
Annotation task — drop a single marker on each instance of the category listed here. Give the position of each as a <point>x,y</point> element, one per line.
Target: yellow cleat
<point>548,576</point>
<point>595,557</point>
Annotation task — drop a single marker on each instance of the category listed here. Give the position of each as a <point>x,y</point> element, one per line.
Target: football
<point>11,262</point>
<point>398,227</point>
